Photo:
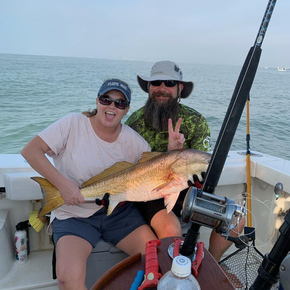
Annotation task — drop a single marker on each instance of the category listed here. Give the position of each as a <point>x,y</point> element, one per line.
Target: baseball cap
<point>116,84</point>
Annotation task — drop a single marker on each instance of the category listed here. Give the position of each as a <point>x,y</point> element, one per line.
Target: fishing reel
<point>210,210</point>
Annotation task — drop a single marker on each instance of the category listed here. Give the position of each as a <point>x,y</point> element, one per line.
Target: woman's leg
<point>71,261</point>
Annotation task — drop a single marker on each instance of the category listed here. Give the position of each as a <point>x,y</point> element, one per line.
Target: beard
<point>157,115</point>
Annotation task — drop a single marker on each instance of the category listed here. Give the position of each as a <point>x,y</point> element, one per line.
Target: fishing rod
<point>230,124</point>
<point>236,105</point>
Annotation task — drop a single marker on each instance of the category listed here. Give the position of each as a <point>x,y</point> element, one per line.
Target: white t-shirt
<point>79,154</point>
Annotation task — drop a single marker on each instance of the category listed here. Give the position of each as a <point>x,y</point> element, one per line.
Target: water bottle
<point>179,277</point>
<point>21,244</point>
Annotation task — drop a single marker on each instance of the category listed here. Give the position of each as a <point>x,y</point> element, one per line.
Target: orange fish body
<point>156,175</point>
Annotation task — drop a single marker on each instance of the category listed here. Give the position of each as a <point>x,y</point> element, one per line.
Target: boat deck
<point>35,274</point>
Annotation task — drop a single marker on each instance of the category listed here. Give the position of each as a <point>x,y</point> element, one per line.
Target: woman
<point>82,146</point>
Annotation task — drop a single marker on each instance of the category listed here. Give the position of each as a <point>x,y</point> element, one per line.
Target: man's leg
<point>218,244</point>
<point>155,214</point>
<point>166,224</point>
<point>135,242</point>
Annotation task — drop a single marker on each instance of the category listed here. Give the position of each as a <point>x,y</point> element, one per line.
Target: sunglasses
<point>106,101</point>
<point>167,83</point>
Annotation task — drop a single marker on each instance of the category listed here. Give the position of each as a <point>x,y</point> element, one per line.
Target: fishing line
<point>255,223</point>
<point>248,168</point>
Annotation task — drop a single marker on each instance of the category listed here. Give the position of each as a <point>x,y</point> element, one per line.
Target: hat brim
<point>187,86</point>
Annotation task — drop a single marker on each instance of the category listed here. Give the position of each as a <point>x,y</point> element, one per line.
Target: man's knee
<point>166,225</point>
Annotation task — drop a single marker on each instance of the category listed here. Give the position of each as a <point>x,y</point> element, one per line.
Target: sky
<point>185,31</point>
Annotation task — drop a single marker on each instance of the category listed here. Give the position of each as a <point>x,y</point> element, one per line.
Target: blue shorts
<point>113,228</point>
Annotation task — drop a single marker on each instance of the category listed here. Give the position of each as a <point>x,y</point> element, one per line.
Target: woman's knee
<point>70,277</point>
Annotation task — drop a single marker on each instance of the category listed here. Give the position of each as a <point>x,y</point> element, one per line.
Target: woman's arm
<point>34,153</point>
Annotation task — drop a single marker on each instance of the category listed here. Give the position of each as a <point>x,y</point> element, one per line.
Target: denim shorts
<point>112,228</point>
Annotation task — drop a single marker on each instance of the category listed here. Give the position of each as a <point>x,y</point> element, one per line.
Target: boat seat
<point>19,186</point>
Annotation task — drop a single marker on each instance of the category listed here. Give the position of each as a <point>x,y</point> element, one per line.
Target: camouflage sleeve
<point>136,121</point>
<point>136,116</point>
<point>201,138</point>
<point>196,129</point>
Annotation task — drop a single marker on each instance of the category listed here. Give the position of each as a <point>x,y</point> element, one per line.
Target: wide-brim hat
<point>166,70</point>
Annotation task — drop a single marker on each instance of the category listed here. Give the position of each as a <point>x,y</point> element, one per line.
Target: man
<point>165,88</point>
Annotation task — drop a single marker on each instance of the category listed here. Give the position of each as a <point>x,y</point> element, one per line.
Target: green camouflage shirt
<point>194,127</point>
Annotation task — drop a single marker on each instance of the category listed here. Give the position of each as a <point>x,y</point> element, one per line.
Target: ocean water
<point>37,90</point>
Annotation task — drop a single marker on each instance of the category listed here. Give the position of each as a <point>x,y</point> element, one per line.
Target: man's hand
<point>196,182</point>
<point>175,139</point>
<point>105,201</point>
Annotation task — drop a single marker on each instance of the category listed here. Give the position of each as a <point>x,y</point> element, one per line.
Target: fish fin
<point>52,198</point>
<point>163,185</point>
<point>148,155</point>
<point>116,168</point>
<point>170,201</point>
<point>171,178</point>
<point>112,206</point>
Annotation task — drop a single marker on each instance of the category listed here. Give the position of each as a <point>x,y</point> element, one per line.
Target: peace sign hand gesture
<point>175,139</point>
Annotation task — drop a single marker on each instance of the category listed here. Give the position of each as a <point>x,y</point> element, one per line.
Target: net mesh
<point>242,266</point>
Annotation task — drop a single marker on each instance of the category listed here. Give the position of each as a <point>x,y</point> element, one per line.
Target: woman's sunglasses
<point>106,101</point>
<point>167,83</point>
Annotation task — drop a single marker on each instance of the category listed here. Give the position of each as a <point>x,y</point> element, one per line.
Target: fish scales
<point>168,175</point>
<point>135,185</point>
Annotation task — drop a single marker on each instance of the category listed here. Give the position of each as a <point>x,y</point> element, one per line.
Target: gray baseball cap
<point>116,84</point>
<point>165,70</point>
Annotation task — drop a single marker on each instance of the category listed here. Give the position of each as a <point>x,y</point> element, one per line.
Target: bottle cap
<point>181,266</point>
<point>21,226</point>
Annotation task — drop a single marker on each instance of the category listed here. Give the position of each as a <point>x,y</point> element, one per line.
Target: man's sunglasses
<point>167,83</point>
<point>106,101</point>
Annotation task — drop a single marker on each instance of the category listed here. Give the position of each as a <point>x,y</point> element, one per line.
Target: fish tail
<point>52,198</point>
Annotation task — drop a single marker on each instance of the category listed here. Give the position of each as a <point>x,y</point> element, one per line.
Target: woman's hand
<point>70,192</point>
<point>175,139</point>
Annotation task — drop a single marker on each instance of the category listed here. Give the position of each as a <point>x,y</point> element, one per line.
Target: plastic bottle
<point>21,244</point>
<point>179,277</point>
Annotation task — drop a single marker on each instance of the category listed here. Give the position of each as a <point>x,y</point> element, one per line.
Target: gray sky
<point>194,31</point>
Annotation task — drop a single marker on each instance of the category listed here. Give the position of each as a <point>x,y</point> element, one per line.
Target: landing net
<point>241,267</point>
